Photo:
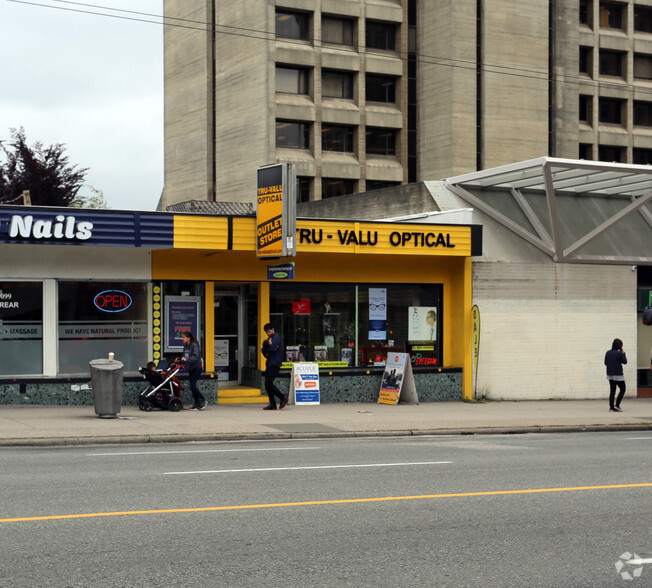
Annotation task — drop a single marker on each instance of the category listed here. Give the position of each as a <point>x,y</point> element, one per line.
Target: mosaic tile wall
<point>72,394</point>
<point>436,387</point>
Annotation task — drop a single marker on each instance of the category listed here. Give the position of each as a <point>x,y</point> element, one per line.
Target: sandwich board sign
<point>398,381</point>
<point>304,385</point>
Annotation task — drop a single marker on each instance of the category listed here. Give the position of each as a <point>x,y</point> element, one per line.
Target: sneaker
<point>202,406</point>
<point>270,407</point>
<point>617,409</point>
<point>613,410</point>
<point>284,402</point>
<point>194,407</point>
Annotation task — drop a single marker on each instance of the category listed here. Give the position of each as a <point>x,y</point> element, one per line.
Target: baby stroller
<point>164,390</point>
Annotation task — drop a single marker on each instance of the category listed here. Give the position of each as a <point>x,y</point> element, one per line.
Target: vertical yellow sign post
<point>476,346</point>
<point>276,211</point>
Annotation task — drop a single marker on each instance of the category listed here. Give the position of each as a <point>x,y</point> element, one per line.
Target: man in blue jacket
<point>273,352</point>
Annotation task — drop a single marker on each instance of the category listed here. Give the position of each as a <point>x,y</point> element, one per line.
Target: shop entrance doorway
<point>229,321</point>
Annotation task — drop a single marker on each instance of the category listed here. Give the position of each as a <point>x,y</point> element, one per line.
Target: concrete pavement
<point>29,425</point>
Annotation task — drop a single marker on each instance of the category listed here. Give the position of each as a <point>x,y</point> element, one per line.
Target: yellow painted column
<point>209,321</point>
<point>263,318</point>
<point>467,366</point>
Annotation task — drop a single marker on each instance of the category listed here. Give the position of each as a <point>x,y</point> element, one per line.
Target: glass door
<point>227,329</point>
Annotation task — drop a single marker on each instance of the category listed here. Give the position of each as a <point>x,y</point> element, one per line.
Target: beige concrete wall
<point>446,38</point>
<point>546,327</point>
<point>187,105</point>
<point>244,92</point>
<point>515,81</point>
<point>565,101</point>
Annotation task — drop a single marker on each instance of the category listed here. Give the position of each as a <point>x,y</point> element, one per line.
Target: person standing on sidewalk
<point>273,351</point>
<point>614,360</point>
<point>193,364</point>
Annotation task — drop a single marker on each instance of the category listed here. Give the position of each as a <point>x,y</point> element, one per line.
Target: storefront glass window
<point>96,318</point>
<point>21,328</point>
<point>402,318</point>
<point>316,322</point>
<point>357,325</point>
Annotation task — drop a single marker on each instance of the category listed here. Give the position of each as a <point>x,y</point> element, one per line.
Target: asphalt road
<point>519,510</point>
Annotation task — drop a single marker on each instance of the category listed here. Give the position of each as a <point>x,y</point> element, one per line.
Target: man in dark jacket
<point>614,360</point>
<point>273,352</point>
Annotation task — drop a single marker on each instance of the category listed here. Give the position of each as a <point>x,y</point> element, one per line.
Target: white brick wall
<point>546,327</point>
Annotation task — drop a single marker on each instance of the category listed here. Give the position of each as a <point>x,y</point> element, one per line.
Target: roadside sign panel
<point>304,387</point>
<point>398,382</point>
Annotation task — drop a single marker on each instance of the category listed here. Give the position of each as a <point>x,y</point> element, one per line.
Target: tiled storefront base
<point>431,387</point>
<point>79,392</point>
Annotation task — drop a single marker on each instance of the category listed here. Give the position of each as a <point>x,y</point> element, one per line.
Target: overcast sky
<point>93,83</point>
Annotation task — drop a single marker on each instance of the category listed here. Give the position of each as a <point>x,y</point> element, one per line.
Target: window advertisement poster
<point>292,353</point>
<point>422,323</point>
<point>346,354</point>
<point>321,353</point>
<point>222,359</point>
<point>377,314</point>
<point>181,314</point>
<point>305,384</point>
<point>398,381</point>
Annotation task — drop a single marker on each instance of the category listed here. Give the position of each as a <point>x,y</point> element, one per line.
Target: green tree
<point>96,200</point>
<point>44,171</point>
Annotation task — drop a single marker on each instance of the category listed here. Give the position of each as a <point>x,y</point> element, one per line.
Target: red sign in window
<point>301,307</point>
<point>424,361</point>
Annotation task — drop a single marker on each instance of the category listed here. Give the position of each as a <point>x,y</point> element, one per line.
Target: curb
<point>194,438</point>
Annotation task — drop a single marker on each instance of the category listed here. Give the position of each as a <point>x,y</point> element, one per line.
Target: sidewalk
<point>25,425</point>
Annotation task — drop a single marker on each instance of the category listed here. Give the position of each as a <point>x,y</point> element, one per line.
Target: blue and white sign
<point>89,227</point>
<point>305,383</point>
<point>281,271</point>
<point>377,314</point>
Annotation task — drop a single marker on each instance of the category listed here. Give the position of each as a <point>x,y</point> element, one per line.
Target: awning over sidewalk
<point>573,210</point>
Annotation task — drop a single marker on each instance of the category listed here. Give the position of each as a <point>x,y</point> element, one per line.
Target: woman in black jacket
<point>192,360</point>
<point>614,360</point>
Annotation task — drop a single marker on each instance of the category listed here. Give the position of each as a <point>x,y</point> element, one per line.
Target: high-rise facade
<point>364,94</point>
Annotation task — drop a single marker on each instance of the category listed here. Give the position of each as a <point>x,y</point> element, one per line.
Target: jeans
<point>193,376</point>
<point>612,392</point>
<point>270,374</point>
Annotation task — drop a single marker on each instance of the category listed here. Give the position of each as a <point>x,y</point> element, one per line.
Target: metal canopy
<point>585,202</point>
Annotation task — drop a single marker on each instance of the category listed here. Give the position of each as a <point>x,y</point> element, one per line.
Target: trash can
<point>106,379</point>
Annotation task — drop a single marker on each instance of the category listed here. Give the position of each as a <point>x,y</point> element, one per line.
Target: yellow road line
<point>324,502</point>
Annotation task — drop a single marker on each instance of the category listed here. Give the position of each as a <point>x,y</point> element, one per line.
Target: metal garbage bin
<point>106,379</point>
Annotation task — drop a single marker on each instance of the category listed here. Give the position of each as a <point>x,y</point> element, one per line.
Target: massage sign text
<point>414,239</point>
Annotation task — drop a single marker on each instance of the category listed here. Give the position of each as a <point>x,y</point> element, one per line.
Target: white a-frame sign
<point>398,381</point>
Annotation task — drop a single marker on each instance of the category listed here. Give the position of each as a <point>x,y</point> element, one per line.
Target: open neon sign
<point>112,301</point>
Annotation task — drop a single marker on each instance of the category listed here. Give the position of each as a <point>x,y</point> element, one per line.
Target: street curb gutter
<point>195,438</point>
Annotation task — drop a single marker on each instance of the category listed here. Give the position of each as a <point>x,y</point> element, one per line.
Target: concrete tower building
<point>365,94</point>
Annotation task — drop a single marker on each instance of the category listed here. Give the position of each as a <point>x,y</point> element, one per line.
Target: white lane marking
<point>639,561</point>
<point>201,451</point>
<point>327,467</point>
